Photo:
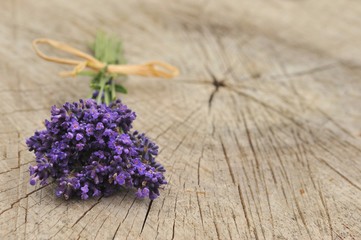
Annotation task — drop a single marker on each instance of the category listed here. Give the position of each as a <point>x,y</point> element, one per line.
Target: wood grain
<point>260,135</point>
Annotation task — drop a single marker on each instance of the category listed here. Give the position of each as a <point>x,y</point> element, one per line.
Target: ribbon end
<point>162,69</point>
<point>68,74</point>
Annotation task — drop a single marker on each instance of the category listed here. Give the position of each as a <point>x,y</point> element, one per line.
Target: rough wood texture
<point>260,134</point>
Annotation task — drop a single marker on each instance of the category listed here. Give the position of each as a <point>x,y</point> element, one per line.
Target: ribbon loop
<point>150,69</point>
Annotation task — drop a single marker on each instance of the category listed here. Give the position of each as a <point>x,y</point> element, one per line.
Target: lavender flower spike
<point>90,150</point>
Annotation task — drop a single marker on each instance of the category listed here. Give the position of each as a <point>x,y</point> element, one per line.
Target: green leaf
<point>120,89</point>
<point>108,49</point>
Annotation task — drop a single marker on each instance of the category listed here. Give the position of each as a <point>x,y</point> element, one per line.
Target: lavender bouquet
<point>89,147</point>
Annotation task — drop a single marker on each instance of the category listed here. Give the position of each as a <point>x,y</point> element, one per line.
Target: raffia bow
<point>150,69</point>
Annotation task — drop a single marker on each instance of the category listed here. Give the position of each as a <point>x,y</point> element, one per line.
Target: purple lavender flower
<point>84,192</point>
<point>89,150</point>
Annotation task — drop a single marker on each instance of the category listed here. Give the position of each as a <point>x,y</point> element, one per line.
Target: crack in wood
<point>146,216</point>
<point>250,140</point>
<point>244,208</point>
<point>175,216</point>
<point>199,166</point>
<point>324,204</point>
<point>83,215</point>
<point>200,210</point>
<point>227,160</point>
<point>27,195</point>
<point>338,172</point>
<point>217,84</point>
<point>125,217</point>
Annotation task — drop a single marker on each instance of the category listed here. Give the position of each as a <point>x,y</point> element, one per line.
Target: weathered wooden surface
<point>260,134</point>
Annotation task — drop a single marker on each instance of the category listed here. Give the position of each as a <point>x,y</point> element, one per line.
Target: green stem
<point>101,91</point>
<point>113,91</point>
<point>107,50</point>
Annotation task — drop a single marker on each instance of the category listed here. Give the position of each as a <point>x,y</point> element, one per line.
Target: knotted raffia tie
<point>150,69</point>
